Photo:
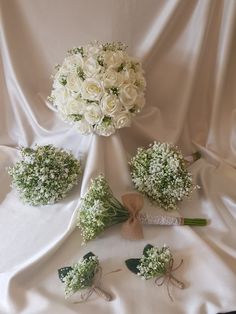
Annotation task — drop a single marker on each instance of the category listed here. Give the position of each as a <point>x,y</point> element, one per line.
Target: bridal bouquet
<point>160,172</point>
<point>100,209</point>
<point>98,88</point>
<point>44,174</point>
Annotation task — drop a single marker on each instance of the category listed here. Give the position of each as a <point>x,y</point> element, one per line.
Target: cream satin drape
<point>188,49</point>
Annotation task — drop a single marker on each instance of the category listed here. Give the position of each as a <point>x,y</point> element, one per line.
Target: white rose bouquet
<point>98,88</point>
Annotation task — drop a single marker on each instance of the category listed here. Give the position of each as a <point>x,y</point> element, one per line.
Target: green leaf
<point>132,264</point>
<point>62,272</point>
<point>146,248</point>
<point>89,254</point>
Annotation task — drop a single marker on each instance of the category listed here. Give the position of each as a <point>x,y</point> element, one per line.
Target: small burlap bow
<point>132,228</point>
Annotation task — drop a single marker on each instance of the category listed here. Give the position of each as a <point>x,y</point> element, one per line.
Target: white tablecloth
<point>188,50</point>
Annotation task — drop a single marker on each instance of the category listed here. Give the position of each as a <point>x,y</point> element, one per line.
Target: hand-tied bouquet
<point>160,172</point>
<point>98,88</point>
<point>82,276</point>
<point>99,210</point>
<point>156,263</point>
<point>45,174</point>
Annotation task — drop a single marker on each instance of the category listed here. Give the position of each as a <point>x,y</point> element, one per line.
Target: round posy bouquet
<point>44,174</point>
<point>98,88</point>
<point>161,174</point>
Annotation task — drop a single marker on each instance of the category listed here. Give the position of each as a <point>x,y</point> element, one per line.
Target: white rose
<point>93,50</point>
<point>105,130</point>
<point>141,82</point>
<point>140,102</point>
<point>129,76</point>
<point>110,105</point>
<point>74,106</point>
<point>113,78</point>
<point>91,67</point>
<point>113,59</point>
<point>122,120</point>
<point>92,89</point>
<point>83,126</point>
<point>71,63</point>
<point>93,113</point>
<point>127,95</point>
<point>74,83</point>
<point>61,96</point>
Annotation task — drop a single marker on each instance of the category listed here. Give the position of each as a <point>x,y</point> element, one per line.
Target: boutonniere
<point>100,209</point>
<point>157,263</point>
<point>84,277</point>
<point>160,173</point>
<point>45,174</point>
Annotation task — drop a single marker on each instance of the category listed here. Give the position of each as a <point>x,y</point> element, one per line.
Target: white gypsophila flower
<point>44,174</point>
<point>122,120</point>
<point>103,74</point>
<point>160,172</point>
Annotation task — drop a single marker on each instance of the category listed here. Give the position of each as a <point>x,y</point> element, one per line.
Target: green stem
<point>195,221</point>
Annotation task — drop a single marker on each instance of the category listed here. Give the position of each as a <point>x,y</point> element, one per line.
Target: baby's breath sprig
<point>160,173</point>
<point>45,174</point>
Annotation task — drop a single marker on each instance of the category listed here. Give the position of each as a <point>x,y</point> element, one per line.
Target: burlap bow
<point>132,228</point>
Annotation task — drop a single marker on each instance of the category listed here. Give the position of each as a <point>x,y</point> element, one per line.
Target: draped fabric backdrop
<point>188,50</point>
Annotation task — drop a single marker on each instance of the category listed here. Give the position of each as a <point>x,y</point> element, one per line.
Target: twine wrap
<point>169,278</point>
<point>95,288</point>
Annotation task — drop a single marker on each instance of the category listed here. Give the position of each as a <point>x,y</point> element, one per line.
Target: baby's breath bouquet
<point>156,263</point>
<point>82,276</point>
<point>160,172</point>
<point>45,174</point>
<point>98,88</point>
<point>100,209</point>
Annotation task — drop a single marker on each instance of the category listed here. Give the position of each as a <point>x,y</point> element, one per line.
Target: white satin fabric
<point>188,50</point>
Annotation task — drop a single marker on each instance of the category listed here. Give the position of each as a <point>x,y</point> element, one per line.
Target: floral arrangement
<point>98,88</point>
<point>155,263</point>
<point>82,276</point>
<point>100,209</point>
<point>160,172</point>
<point>45,174</point>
